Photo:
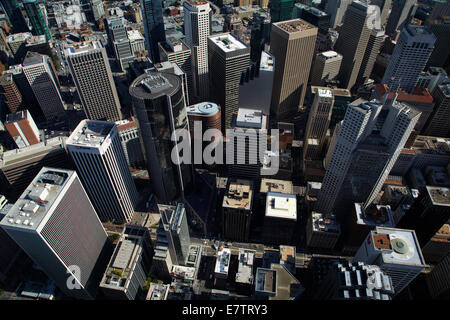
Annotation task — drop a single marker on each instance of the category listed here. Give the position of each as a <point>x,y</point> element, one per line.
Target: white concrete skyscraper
<point>92,75</point>
<point>97,153</point>
<point>197,28</point>
<point>411,54</point>
<point>365,126</point>
<point>56,225</point>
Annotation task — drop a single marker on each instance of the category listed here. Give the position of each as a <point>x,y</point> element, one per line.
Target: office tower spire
<point>153,26</point>
<point>56,225</point>
<point>292,45</point>
<point>92,75</point>
<point>97,153</point>
<point>197,28</point>
<point>409,58</point>
<point>228,59</point>
<point>160,109</point>
<point>352,42</point>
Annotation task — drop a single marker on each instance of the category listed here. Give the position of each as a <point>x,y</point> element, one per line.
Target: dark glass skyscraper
<point>36,18</point>
<point>159,106</point>
<point>153,26</point>
<point>281,10</point>
<point>15,15</point>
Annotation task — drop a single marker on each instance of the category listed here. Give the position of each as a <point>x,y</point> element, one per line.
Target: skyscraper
<point>98,10</point>
<point>197,28</point>
<point>396,252</point>
<point>411,53</point>
<point>401,14</point>
<point>176,51</point>
<point>281,10</point>
<point>44,82</point>
<point>37,19</point>
<point>55,223</point>
<point>440,26</point>
<point>118,39</point>
<point>376,39</point>
<point>22,128</point>
<point>336,9</point>
<point>292,45</point>
<point>352,42</point>
<point>438,123</point>
<point>326,67</point>
<point>366,134</point>
<point>160,109</point>
<point>318,123</point>
<point>92,75</point>
<point>10,93</point>
<point>97,153</point>
<point>153,26</point>
<point>14,13</point>
<point>228,59</point>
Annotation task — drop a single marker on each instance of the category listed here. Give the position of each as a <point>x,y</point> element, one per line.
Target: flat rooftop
<point>134,35</point>
<point>227,42</point>
<point>283,206</point>
<point>329,54</point>
<point>18,37</point>
<point>322,223</point>
<point>325,93</point>
<point>154,84</point>
<point>33,205</point>
<point>90,133</point>
<point>378,215</point>
<point>439,195</point>
<point>266,281</point>
<point>397,246</point>
<point>295,25</point>
<point>245,267</point>
<point>82,47</point>
<point>267,62</point>
<point>250,118</point>
<point>278,186</point>
<point>431,145</point>
<point>239,195</point>
<point>183,272</point>
<point>16,116</point>
<point>223,261</point>
<point>203,108</point>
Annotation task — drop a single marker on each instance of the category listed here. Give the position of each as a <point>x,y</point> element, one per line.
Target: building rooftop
<point>34,40</point>
<point>186,274</point>
<point>16,116</point>
<point>278,186</point>
<point>295,25</point>
<point>325,93</point>
<point>91,133</point>
<point>223,261</point>
<point>418,95</point>
<point>376,215</point>
<point>287,286</point>
<point>397,246</point>
<point>227,42</point>
<point>203,108</point>
<point>157,291</point>
<point>33,205</point>
<point>18,37</point>
<point>194,255</point>
<point>266,281</point>
<point>439,195</point>
<point>322,223</point>
<point>283,206</point>
<point>134,35</point>
<point>245,268</point>
<point>431,145</point>
<point>126,124</point>
<point>239,195</point>
<point>267,62</point>
<point>329,54</point>
<point>250,118</point>
<point>154,84</point>
<point>32,58</point>
<point>82,47</point>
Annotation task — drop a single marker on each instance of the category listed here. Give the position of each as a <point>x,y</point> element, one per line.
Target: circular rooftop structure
<point>155,84</point>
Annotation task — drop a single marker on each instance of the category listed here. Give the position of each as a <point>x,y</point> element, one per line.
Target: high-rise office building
<point>160,109</point>
<point>129,265</point>
<point>438,124</point>
<point>318,123</point>
<point>118,39</point>
<point>376,40</point>
<point>197,28</point>
<point>385,7</point>
<point>19,166</point>
<point>280,218</point>
<point>336,9</point>
<point>292,45</point>
<point>259,37</point>
<point>92,75</point>
<point>396,252</point>
<point>281,10</point>
<point>401,15</point>
<point>440,27</point>
<point>365,131</point>
<point>237,208</point>
<point>428,213</point>
<point>228,59</point>
<point>10,93</point>
<point>14,13</point>
<point>326,67</point>
<point>411,53</point>
<point>312,15</point>
<point>355,281</point>
<point>17,43</point>
<point>172,67</point>
<point>98,10</point>
<point>153,26</point>
<point>131,144</point>
<point>322,231</point>
<point>55,223</point>
<point>37,18</point>
<point>174,222</point>
<point>352,42</point>
<point>22,128</point>
<point>438,281</point>
<point>95,148</point>
<point>176,51</point>
<point>43,80</point>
